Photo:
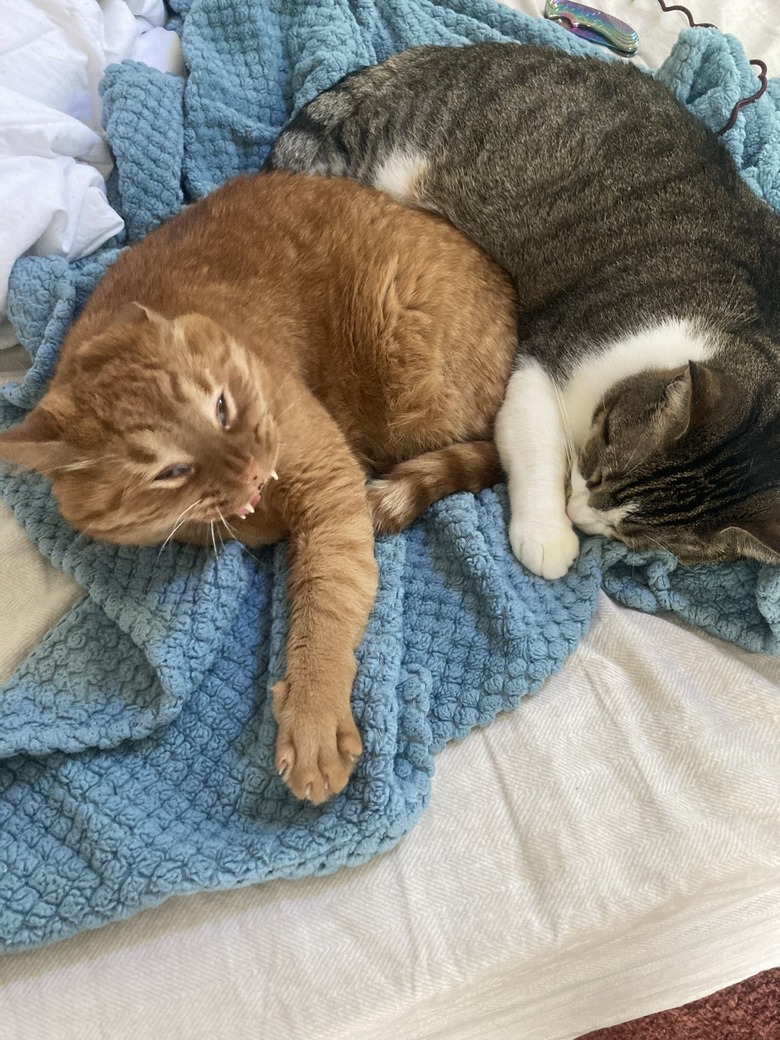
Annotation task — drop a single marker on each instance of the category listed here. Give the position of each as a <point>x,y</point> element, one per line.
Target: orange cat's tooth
<point>274,474</point>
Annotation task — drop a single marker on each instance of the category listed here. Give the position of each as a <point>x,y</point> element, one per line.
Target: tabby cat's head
<point>686,461</point>
<point>149,423</point>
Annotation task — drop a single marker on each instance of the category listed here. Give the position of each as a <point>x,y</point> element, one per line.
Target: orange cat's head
<point>148,424</point>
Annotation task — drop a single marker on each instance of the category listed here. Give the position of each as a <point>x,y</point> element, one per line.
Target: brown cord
<point>688,15</point>
<point>747,100</point>
<point>754,61</point>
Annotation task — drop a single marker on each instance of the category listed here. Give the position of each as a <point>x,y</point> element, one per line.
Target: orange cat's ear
<point>94,352</point>
<point>36,443</point>
<point>131,312</point>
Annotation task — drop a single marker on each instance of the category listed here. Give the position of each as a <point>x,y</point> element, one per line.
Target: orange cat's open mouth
<point>249,507</point>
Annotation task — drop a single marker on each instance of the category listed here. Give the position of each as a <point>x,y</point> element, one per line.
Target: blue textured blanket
<point>137,739</point>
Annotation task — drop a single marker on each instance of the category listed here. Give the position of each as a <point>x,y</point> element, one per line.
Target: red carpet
<point>748,1011</point>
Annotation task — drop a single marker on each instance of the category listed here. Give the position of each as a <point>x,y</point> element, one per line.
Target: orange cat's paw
<point>316,748</point>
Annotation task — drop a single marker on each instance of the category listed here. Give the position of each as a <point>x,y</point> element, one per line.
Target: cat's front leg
<point>531,439</point>
<point>332,586</point>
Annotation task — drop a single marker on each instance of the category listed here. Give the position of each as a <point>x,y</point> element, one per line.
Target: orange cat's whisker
<point>180,519</point>
<point>279,391</point>
<point>224,524</point>
<point>214,540</point>
<point>234,534</point>
<point>230,530</point>
<point>84,463</point>
<point>280,413</point>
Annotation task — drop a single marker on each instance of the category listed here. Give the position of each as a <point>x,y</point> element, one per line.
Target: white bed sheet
<point>610,849</point>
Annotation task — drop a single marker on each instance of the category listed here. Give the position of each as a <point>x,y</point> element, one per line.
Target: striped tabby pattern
<point>645,402</point>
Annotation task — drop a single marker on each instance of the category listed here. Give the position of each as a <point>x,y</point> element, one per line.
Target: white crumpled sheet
<point>53,159</point>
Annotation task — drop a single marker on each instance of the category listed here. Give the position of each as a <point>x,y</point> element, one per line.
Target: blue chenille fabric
<point>136,741</point>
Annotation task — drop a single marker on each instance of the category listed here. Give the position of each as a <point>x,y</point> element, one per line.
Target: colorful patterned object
<point>593,25</point>
<point>137,740</point>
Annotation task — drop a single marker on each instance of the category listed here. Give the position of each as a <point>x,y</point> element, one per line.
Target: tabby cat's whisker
<point>747,475</point>
<point>568,439</point>
<point>628,472</point>
<point>665,548</point>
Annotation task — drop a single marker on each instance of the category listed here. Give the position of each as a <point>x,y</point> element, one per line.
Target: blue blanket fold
<point>137,739</point>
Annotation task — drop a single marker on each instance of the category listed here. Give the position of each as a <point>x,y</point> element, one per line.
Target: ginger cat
<point>292,327</point>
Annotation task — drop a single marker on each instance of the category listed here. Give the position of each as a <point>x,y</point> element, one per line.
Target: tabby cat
<point>645,400</point>
<point>283,327</point>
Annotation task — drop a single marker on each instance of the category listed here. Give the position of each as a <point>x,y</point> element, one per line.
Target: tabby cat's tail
<point>399,496</point>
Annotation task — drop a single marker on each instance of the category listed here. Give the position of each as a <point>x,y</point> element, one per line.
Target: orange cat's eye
<point>173,472</point>
<point>222,417</point>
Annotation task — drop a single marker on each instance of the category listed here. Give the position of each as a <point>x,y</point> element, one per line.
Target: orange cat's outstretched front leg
<point>332,586</point>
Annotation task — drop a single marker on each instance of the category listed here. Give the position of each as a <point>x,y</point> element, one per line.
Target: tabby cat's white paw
<point>547,550</point>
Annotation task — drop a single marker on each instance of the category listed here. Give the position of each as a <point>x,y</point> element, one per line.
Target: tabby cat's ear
<point>37,443</point>
<point>693,397</point>
<point>757,539</point>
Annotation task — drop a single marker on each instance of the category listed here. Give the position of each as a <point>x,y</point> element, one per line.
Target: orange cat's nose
<point>251,474</point>
<point>253,483</point>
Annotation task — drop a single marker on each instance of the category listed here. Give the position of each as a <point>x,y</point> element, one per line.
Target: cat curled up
<point>645,400</point>
<point>289,327</point>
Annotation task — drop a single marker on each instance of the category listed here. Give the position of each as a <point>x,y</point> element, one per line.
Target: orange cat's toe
<point>316,749</point>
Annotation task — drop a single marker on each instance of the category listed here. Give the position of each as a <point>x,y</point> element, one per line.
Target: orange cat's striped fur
<point>292,324</point>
